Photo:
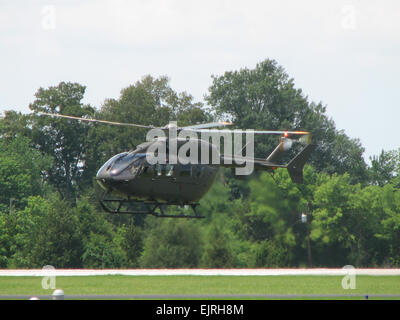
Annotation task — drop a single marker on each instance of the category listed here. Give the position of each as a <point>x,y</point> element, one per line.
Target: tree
<point>13,125</point>
<point>132,244</point>
<point>6,239</point>
<point>267,212</point>
<point>265,221</point>
<point>47,234</point>
<point>217,252</point>
<point>172,244</point>
<point>384,167</point>
<point>335,218</point>
<point>270,254</point>
<point>65,140</point>
<point>102,252</point>
<point>390,224</point>
<point>368,210</point>
<point>266,98</point>
<point>216,202</point>
<point>101,240</point>
<point>22,170</point>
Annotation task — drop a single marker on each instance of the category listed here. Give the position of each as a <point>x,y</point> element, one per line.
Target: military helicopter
<point>155,177</point>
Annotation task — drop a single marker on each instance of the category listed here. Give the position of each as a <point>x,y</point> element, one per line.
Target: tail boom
<point>294,167</point>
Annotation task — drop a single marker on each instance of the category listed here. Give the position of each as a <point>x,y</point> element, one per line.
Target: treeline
<point>346,212</point>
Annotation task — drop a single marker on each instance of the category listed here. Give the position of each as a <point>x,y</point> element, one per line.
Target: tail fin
<point>295,166</point>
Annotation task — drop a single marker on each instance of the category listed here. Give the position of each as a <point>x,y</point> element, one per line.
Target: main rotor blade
<point>95,120</point>
<point>196,128</point>
<point>280,132</point>
<point>207,125</point>
<point>254,131</point>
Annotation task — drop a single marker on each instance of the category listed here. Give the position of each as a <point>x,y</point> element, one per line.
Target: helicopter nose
<point>110,176</point>
<point>103,178</point>
<point>101,174</point>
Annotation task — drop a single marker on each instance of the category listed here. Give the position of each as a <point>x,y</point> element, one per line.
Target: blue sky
<point>342,53</point>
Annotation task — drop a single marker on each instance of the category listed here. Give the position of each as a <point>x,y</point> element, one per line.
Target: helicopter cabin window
<point>164,170</point>
<point>122,161</point>
<point>160,169</point>
<point>111,161</point>
<point>185,170</point>
<point>169,170</point>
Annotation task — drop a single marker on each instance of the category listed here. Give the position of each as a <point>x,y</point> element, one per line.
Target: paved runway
<point>197,272</point>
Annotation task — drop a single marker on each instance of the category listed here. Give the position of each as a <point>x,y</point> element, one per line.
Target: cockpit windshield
<point>125,160</point>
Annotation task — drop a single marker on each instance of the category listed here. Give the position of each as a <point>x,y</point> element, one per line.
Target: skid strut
<point>151,208</point>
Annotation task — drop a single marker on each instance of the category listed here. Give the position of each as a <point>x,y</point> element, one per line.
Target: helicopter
<point>155,177</point>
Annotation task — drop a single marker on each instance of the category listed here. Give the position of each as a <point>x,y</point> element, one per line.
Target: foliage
<point>384,167</point>
<point>49,212</point>
<point>132,244</point>
<point>65,140</point>
<point>217,252</point>
<point>266,97</point>
<point>21,172</point>
<point>46,234</point>
<point>172,244</point>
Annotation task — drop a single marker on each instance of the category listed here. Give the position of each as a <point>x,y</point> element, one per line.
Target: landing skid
<point>151,208</point>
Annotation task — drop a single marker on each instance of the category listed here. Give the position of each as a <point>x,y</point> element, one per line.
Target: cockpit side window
<point>115,158</point>
<point>160,169</point>
<point>124,161</point>
<point>169,170</point>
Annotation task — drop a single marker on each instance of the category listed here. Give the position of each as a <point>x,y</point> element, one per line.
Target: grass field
<point>203,285</point>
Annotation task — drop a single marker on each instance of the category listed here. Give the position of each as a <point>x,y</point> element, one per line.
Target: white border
<point>197,272</point>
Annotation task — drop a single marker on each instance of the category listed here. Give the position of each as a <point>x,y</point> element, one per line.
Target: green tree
<point>102,241</point>
<point>266,98</point>
<point>6,239</point>
<point>46,235</point>
<point>22,170</point>
<point>65,140</point>
<point>267,212</point>
<point>368,213</point>
<point>334,221</point>
<point>265,220</point>
<point>270,254</point>
<point>390,225</point>
<point>217,252</point>
<point>217,201</point>
<point>14,124</point>
<point>384,167</point>
<point>102,252</point>
<point>346,156</point>
<point>132,244</point>
<point>172,244</point>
